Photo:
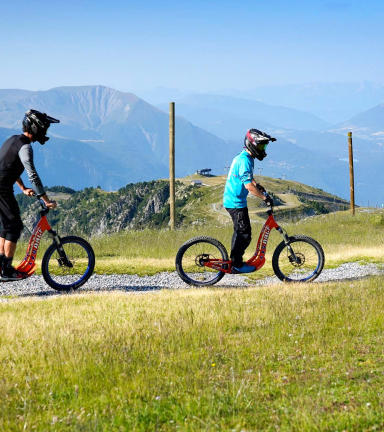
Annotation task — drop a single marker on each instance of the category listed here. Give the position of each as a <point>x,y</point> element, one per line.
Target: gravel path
<point>35,285</point>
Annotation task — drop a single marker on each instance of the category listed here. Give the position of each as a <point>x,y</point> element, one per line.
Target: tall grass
<point>289,357</point>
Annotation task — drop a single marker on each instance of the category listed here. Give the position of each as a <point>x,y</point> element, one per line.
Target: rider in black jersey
<point>16,154</point>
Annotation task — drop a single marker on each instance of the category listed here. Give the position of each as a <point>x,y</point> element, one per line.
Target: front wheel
<point>70,269</point>
<point>190,261</point>
<point>302,260</point>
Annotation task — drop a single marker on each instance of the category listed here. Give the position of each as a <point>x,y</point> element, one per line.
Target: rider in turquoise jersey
<point>239,183</point>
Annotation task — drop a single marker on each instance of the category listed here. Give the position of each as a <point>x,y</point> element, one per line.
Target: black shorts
<point>11,224</point>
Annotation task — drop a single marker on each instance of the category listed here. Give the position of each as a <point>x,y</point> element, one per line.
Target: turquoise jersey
<point>240,174</point>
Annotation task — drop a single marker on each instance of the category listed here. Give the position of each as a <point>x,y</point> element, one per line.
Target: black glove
<point>273,139</point>
<point>269,201</point>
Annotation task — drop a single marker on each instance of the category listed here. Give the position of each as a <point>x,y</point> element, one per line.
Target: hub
<point>300,260</point>
<point>200,260</point>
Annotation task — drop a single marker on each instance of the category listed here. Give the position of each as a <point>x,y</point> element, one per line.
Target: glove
<point>273,139</point>
<point>268,200</point>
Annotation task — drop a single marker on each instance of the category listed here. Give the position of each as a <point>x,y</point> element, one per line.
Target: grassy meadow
<point>286,357</point>
<point>344,239</point>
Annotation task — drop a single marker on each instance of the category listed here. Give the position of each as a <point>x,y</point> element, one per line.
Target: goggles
<point>261,146</point>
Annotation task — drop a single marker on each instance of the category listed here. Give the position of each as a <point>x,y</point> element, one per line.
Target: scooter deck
<point>24,274</point>
<point>24,267</point>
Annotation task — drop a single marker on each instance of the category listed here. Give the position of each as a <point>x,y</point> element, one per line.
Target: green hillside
<point>93,211</point>
<point>293,200</point>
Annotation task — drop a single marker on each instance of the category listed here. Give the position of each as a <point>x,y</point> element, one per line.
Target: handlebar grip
<point>42,203</point>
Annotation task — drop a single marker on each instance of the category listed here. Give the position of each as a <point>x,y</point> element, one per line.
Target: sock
<point>1,259</point>
<point>7,262</point>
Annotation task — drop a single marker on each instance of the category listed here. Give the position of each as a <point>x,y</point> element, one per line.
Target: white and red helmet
<point>256,142</point>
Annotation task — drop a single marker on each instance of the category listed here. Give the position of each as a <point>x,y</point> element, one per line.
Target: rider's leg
<point>12,227</point>
<point>242,234</point>
<point>9,248</point>
<point>2,251</point>
<point>7,257</point>
<point>8,271</point>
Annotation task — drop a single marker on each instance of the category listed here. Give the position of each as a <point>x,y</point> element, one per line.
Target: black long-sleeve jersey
<point>16,154</point>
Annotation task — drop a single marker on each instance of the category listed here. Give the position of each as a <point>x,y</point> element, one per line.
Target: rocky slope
<point>93,211</point>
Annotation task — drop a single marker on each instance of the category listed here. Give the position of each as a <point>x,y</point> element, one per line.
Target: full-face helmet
<point>256,142</point>
<point>37,124</point>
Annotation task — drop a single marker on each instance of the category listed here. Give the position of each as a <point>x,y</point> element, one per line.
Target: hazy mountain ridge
<point>333,102</point>
<point>73,163</point>
<point>368,124</point>
<point>110,138</point>
<point>207,110</point>
<point>120,126</point>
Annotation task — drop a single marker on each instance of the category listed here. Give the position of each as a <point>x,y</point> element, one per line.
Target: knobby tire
<point>60,284</point>
<point>191,278</point>
<point>300,240</point>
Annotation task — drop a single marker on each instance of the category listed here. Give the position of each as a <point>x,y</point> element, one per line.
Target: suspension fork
<point>287,243</point>
<point>63,256</point>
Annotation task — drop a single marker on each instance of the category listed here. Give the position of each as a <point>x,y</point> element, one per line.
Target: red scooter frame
<point>258,259</point>
<point>28,264</point>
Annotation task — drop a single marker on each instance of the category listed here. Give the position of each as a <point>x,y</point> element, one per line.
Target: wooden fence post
<point>172,164</point>
<point>351,173</point>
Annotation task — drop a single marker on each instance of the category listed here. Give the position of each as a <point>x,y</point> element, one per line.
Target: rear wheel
<point>303,265</point>
<point>71,272</point>
<point>190,261</point>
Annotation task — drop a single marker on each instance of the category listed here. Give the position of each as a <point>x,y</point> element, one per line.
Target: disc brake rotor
<point>201,259</point>
<point>300,260</point>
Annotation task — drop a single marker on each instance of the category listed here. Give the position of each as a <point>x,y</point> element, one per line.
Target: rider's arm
<point>258,186</point>
<point>246,176</point>
<point>254,191</point>
<point>20,183</point>
<point>26,157</point>
<point>25,190</point>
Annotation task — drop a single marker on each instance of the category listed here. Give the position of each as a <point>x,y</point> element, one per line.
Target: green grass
<point>288,357</point>
<point>344,239</point>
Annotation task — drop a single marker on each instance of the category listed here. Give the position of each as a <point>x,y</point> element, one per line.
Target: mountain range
<point>229,117</point>
<point>333,102</point>
<point>368,124</point>
<point>110,138</point>
<point>100,125</point>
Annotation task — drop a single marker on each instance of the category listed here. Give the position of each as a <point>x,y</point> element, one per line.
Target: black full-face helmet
<point>256,142</point>
<point>37,124</point>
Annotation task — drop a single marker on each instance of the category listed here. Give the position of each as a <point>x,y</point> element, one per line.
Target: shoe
<point>10,273</point>
<point>244,269</point>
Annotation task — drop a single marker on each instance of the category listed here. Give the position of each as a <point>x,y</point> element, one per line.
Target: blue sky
<point>193,45</point>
